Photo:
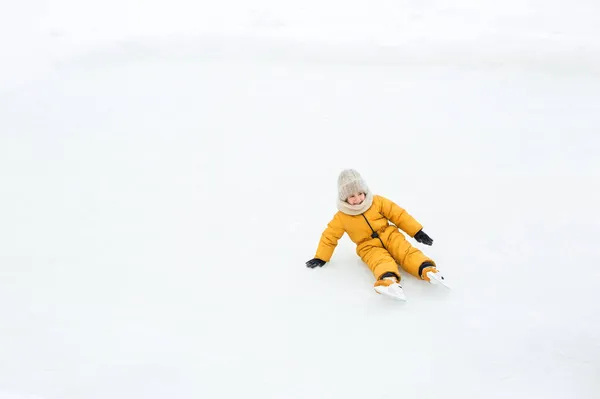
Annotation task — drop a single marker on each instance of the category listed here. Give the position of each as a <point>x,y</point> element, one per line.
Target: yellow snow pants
<point>396,250</point>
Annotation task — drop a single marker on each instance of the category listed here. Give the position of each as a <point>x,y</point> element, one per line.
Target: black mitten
<point>315,262</point>
<point>423,238</point>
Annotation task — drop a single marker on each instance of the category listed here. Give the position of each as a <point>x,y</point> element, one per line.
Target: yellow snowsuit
<point>382,254</point>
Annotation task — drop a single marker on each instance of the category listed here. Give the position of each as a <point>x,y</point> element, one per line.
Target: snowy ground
<point>163,181</point>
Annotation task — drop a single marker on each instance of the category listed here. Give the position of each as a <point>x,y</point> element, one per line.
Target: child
<point>365,217</point>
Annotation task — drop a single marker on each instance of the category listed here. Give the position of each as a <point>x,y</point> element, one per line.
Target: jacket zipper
<point>374,235</point>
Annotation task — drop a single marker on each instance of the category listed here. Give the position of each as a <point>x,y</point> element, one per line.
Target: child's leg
<point>409,257</point>
<point>379,261</point>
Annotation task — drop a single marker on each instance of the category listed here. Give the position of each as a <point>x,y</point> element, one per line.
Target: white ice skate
<point>437,278</point>
<point>391,288</point>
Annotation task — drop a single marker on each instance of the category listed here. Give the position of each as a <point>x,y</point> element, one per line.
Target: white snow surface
<point>166,168</point>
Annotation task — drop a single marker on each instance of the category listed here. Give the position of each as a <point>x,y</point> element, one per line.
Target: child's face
<point>356,199</point>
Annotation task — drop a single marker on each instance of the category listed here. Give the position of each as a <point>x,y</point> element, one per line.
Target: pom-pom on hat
<point>350,182</point>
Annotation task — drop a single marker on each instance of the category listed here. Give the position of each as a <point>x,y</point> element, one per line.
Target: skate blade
<point>393,291</point>
<point>437,279</point>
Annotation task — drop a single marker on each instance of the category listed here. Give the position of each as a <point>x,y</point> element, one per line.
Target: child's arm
<point>329,239</point>
<point>399,217</point>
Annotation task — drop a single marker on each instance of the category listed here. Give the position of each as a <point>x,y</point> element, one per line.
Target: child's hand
<point>423,238</point>
<point>314,263</point>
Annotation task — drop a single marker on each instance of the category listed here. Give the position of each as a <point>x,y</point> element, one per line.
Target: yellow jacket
<point>379,215</point>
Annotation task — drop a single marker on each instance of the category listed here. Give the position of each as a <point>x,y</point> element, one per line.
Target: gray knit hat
<point>350,182</point>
